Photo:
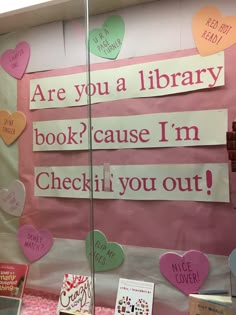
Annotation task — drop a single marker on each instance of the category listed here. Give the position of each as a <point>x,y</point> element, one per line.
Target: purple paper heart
<point>34,244</point>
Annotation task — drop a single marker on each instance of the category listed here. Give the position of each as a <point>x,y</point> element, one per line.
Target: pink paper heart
<point>15,61</point>
<point>12,200</point>
<point>35,244</point>
<point>187,272</point>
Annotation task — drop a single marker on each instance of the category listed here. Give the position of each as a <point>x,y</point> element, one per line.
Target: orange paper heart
<point>12,126</point>
<point>3,115</point>
<point>212,32</point>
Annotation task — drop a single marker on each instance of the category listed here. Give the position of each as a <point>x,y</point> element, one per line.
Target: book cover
<point>210,305</point>
<point>134,297</point>
<point>13,279</point>
<point>10,306</point>
<point>75,294</point>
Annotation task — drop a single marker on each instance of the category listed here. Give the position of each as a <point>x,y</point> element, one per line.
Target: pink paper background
<point>160,224</point>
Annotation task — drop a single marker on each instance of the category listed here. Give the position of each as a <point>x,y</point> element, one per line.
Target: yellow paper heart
<point>3,115</point>
<point>212,32</point>
<point>12,127</point>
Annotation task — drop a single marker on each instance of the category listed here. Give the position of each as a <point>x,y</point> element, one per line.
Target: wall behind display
<point>143,36</point>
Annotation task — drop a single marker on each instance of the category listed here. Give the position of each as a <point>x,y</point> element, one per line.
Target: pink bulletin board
<point>146,229</point>
<point>193,225</point>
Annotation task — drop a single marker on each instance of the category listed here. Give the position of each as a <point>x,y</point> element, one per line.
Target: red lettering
<point>196,179</point>
<point>50,138</point>
<point>61,92</point>
<point>50,94</point>
<point>61,138</point>
<point>174,75</point>
<point>133,136</point>
<point>199,80</point>
<point>180,184</point>
<point>142,133</point>
<point>90,89</point>
<point>145,184</point>
<point>71,139</point>
<point>135,183</point>
<point>214,76</point>
<point>65,181</point>
<point>38,92</point>
<point>163,131</point>
<point>142,81</point>
<point>95,136</point>
<point>160,79</point>
<point>38,177</point>
<point>56,181</point>
<point>102,88</point>
<point>121,136</point>
<point>183,133</point>
<point>73,184</point>
<point>169,181</point>
<point>39,137</point>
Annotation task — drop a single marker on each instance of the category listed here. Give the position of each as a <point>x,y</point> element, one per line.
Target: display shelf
<point>42,303</point>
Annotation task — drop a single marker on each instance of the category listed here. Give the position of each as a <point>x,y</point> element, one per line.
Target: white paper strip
<point>139,80</point>
<point>191,128</point>
<point>199,182</point>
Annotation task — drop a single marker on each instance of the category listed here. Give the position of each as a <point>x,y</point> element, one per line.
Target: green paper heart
<point>106,42</point>
<point>107,255</point>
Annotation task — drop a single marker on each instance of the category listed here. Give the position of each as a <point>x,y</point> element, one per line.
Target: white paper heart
<point>12,200</point>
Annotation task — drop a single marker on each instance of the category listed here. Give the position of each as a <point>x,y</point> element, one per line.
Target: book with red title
<point>76,295</point>
<point>13,279</point>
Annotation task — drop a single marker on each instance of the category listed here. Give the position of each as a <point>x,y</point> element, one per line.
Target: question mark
<point>84,128</point>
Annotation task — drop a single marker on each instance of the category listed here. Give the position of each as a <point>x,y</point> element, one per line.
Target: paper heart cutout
<point>107,255</point>
<point>34,244</point>
<point>3,115</point>
<point>232,262</point>
<point>15,61</point>
<point>12,127</point>
<point>12,200</point>
<point>107,41</point>
<point>212,32</point>
<point>187,272</point>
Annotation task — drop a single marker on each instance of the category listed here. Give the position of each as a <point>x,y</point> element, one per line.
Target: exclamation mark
<point>209,181</point>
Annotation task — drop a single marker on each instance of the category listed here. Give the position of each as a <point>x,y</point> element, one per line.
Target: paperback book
<point>75,295</point>
<point>13,279</point>
<point>134,297</point>
<point>210,305</point>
